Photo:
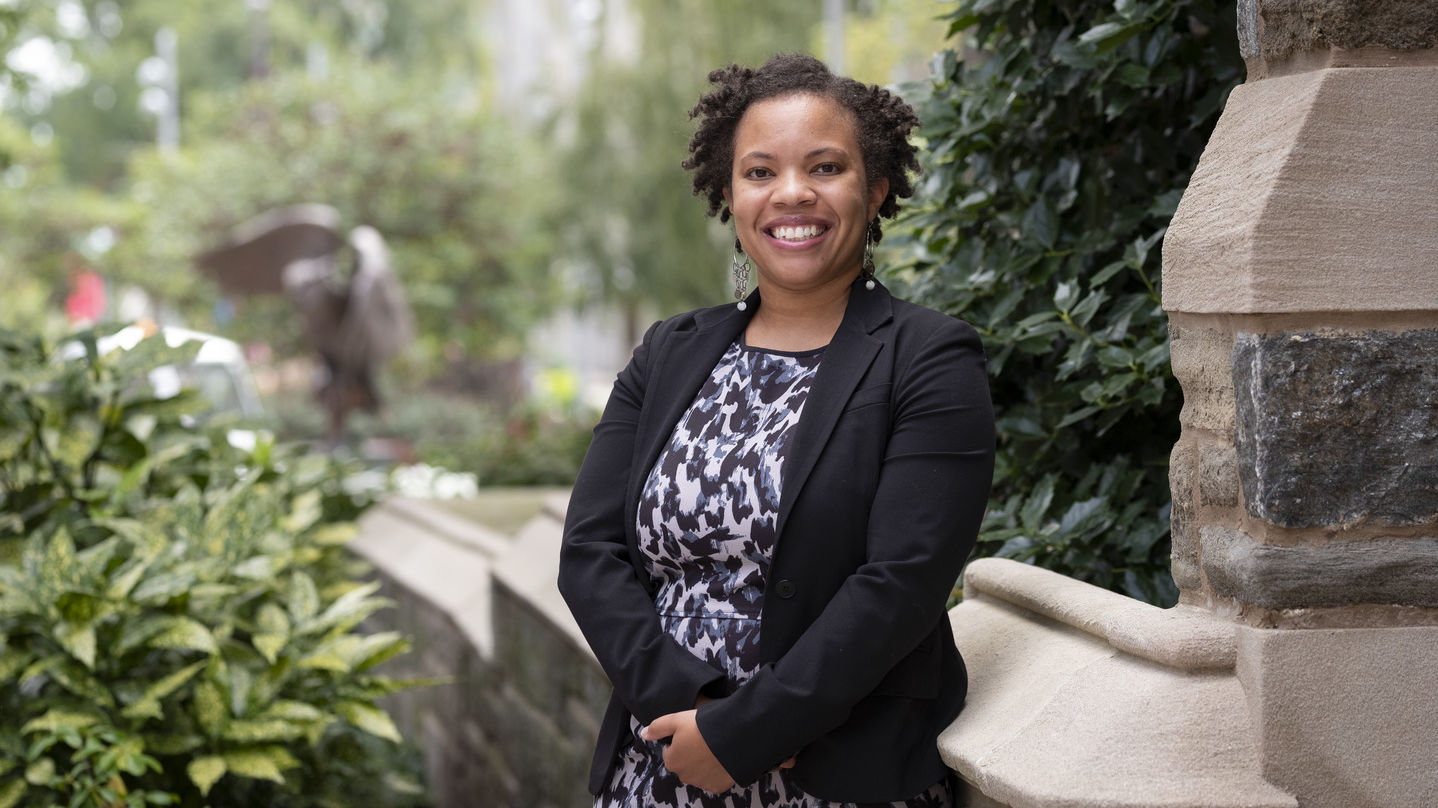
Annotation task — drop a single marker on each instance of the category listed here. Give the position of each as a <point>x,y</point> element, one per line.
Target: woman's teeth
<point>797,233</point>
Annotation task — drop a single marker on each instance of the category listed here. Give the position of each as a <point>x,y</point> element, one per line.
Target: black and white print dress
<point>706,523</point>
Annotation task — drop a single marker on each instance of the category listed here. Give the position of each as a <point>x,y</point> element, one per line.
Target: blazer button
<point>785,588</point>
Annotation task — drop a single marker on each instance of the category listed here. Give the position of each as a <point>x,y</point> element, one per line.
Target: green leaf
<point>263,763</point>
<point>1109,35</point>
<point>184,633</point>
<point>79,640</point>
<point>304,600</point>
<point>1065,294</point>
<point>209,707</point>
<point>1037,504</point>
<point>41,772</point>
<point>148,705</point>
<point>81,682</point>
<point>378,648</point>
<point>125,578</point>
<point>348,609</point>
<point>291,711</point>
<point>335,534</point>
<point>258,730</point>
<point>57,720</point>
<point>205,771</point>
<point>1039,223</point>
<point>368,718</point>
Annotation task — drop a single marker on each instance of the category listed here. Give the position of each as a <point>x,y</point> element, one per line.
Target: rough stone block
<point>1338,430</point>
<point>1183,530</point>
<point>1344,573</point>
<point>1286,26</point>
<point>1217,476</point>
<point>1202,362</point>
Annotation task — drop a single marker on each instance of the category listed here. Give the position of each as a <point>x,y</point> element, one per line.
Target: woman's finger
<point>658,729</point>
<point>788,764</point>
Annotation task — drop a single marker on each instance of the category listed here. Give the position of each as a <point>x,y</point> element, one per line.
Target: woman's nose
<point>795,188</point>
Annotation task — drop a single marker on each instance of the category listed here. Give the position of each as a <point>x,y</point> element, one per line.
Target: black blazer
<point>884,488</point>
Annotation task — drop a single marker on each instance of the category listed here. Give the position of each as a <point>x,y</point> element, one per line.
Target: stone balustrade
<point>513,719</point>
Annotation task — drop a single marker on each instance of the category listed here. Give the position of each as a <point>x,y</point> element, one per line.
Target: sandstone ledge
<point>1187,638</point>
<point>1082,697</point>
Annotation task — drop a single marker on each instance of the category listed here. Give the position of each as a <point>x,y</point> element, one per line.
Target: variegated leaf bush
<point>177,616</point>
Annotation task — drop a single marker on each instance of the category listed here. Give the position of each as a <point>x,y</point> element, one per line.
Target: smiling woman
<point>781,493</point>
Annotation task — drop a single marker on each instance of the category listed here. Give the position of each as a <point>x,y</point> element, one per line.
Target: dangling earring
<point>868,273</point>
<point>741,275</point>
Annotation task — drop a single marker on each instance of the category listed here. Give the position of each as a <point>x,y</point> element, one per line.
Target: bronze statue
<point>353,320</point>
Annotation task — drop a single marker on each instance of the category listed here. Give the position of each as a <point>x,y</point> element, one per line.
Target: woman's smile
<point>796,232</point>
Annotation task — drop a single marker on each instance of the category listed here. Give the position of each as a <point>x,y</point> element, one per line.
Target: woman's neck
<point>789,321</point>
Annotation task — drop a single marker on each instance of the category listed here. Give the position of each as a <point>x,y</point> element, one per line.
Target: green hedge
<point>177,616</point>
<point>1058,148</point>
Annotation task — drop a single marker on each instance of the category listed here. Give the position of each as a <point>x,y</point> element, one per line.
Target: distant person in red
<point>86,301</point>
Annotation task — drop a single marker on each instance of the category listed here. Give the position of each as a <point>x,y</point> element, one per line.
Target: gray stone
<point>1338,430</point>
<point>1248,28</point>
<point>1341,573</point>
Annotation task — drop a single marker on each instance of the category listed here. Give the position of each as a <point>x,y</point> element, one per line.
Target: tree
<point>1059,145</point>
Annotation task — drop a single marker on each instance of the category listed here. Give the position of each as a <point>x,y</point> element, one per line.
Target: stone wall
<point>1300,275</point>
<point>513,721</point>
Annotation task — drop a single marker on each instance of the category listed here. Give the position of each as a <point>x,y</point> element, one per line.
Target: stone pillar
<point>1300,274</point>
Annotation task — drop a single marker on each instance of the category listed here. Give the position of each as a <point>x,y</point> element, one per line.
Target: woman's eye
<point>827,168</point>
<point>758,173</point>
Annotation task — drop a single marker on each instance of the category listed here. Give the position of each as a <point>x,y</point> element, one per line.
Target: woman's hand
<point>687,753</point>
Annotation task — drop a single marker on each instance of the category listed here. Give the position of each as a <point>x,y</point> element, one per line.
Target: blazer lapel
<point>845,361</point>
<point>686,361</point>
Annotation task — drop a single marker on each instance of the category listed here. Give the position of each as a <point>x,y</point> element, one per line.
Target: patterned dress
<point>706,524</point>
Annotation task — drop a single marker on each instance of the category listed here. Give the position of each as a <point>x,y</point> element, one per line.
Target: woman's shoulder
<point>694,319</point>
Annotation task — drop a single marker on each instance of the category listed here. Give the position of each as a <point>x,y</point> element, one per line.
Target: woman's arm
<point>931,492</point>
<point>651,673</point>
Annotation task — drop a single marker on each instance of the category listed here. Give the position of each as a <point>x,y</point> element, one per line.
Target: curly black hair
<point>882,122</point>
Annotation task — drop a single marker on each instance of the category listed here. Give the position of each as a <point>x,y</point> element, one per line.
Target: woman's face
<point>798,193</point>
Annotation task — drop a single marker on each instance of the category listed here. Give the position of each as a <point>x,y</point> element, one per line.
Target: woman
<point>781,493</point>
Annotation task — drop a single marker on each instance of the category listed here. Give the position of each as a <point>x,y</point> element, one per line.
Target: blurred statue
<point>353,319</point>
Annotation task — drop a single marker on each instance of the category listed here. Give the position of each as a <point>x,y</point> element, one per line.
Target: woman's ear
<point>729,198</point>
<point>877,192</point>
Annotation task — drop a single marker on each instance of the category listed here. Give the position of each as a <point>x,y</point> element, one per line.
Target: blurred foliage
<point>220,46</point>
<point>52,229</point>
<point>889,41</point>
<point>1058,147</point>
<point>177,616</point>
<point>531,444</point>
<point>634,236</point>
<point>374,106</point>
<point>470,245</point>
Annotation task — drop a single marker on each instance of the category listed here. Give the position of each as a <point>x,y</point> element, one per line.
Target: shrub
<point>177,616</point>
<point>1058,149</point>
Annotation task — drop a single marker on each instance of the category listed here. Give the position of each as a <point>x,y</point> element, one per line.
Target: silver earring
<point>740,270</point>
<point>868,273</point>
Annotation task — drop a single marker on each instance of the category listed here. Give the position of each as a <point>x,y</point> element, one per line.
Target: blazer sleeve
<point>651,673</point>
<point>930,498</point>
